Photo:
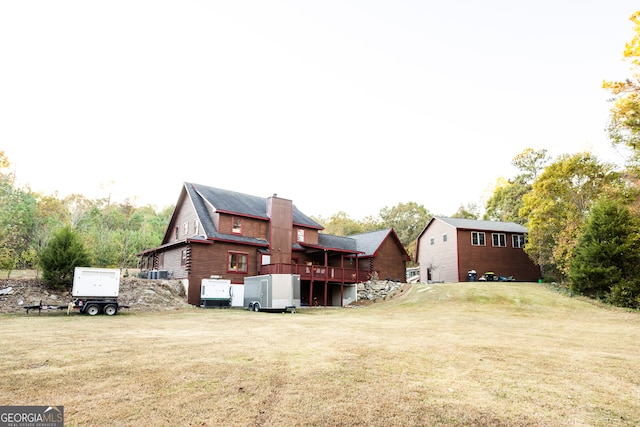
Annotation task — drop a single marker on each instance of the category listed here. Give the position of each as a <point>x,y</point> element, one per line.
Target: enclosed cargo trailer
<point>272,292</point>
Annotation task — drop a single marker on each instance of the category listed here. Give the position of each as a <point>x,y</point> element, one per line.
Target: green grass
<point>475,354</point>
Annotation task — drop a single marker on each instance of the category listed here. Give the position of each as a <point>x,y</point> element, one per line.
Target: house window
<point>432,241</point>
<point>237,262</point>
<point>266,259</point>
<point>196,226</point>
<point>499,239</point>
<point>183,257</point>
<point>236,227</point>
<point>177,233</point>
<point>300,235</point>
<point>186,228</point>
<point>518,240</point>
<point>444,237</point>
<point>477,238</point>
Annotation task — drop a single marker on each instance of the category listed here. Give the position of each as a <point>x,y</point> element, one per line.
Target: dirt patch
<point>138,294</point>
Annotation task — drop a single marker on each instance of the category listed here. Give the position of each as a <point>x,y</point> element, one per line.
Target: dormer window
<point>236,225</point>
<point>300,235</point>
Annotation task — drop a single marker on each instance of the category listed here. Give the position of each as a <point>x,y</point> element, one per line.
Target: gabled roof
<point>365,244</point>
<point>369,243</point>
<point>232,202</point>
<point>474,224</point>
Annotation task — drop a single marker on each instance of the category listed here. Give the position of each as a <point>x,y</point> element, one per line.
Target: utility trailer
<point>95,290</point>
<point>272,292</point>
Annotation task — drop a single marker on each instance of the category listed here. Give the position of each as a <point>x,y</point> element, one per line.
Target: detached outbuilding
<point>449,249</point>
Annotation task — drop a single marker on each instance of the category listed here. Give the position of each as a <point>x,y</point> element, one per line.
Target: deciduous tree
<point>624,123</point>
<point>557,205</point>
<point>506,202</point>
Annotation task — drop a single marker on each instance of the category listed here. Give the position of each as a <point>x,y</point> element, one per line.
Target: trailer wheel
<point>256,306</point>
<point>92,309</point>
<point>110,309</point>
<point>250,306</point>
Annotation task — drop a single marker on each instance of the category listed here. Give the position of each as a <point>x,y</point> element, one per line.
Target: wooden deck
<point>318,273</point>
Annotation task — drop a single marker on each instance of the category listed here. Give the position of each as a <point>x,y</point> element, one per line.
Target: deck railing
<point>318,272</point>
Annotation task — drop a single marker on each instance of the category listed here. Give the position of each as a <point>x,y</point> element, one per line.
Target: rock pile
<point>138,294</point>
<point>373,290</point>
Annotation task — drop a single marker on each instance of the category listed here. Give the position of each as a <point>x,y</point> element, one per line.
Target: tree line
<point>111,233</point>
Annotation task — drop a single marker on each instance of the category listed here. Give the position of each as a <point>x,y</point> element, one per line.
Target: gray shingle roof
<point>337,242</point>
<point>365,243</point>
<point>242,204</point>
<point>370,242</point>
<point>474,224</point>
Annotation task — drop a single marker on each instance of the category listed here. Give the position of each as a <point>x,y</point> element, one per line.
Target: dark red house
<point>215,232</point>
<point>449,248</point>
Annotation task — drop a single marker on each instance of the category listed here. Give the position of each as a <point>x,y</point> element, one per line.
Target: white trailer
<point>95,290</point>
<point>272,292</point>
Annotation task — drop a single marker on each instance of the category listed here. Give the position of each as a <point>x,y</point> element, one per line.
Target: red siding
<point>389,261</point>
<point>503,261</point>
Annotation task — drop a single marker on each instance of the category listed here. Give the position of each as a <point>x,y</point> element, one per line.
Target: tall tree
<point>606,260</point>
<point>557,205</point>
<point>506,202</point>
<point>17,220</point>
<point>470,211</point>
<point>340,224</point>
<point>624,123</point>
<point>407,219</point>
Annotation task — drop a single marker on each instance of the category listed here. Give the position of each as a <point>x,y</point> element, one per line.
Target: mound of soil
<point>138,294</point>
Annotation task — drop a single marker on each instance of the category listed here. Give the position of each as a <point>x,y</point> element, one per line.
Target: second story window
<point>236,226</point>
<point>444,237</point>
<point>477,238</point>
<point>186,228</point>
<point>499,240</point>
<point>300,235</point>
<point>196,226</point>
<point>518,240</point>
<point>177,233</point>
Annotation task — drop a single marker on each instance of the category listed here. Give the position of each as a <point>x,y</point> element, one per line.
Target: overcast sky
<point>337,105</point>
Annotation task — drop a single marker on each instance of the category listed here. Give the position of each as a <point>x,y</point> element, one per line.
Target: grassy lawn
<point>441,354</point>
